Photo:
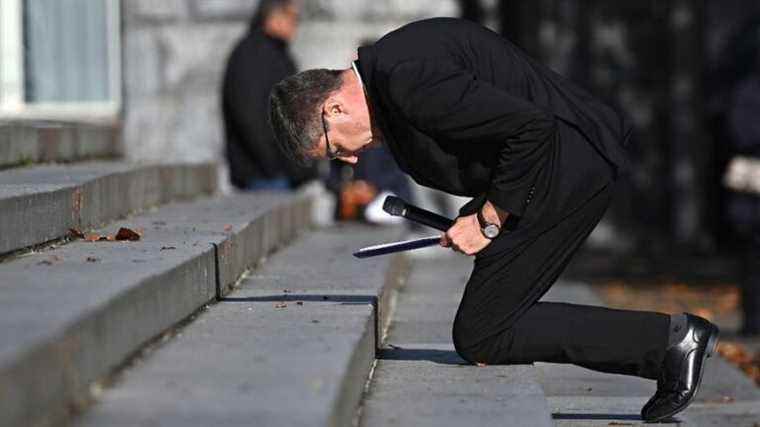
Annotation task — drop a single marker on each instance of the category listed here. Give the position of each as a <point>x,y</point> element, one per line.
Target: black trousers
<point>500,320</point>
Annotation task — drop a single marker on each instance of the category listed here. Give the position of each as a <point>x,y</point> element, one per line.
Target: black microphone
<point>398,207</point>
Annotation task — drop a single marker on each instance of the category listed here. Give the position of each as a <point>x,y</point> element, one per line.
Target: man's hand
<point>465,236</point>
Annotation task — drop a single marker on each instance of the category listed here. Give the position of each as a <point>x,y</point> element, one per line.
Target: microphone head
<point>394,205</point>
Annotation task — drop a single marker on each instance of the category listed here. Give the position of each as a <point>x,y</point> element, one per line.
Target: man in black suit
<point>464,111</point>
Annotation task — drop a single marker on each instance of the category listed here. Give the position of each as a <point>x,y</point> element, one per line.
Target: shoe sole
<point>712,345</point>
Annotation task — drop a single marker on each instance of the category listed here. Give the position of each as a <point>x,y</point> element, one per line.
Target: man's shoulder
<point>428,38</point>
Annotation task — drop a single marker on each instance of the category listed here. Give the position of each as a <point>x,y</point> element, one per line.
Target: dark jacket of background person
<point>255,65</point>
<point>465,111</point>
<point>744,208</point>
<point>744,129</point>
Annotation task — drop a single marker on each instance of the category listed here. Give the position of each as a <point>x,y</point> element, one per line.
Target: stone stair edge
<point>24,143</point>
<point>42,203</point>
<point>357,361</point>
<point>359,371</point>
<point>66,357</point>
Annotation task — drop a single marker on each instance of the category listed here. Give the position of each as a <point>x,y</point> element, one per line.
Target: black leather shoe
<point>682,370</point>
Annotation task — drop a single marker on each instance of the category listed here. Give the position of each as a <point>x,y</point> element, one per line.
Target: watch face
<point>491,231</point>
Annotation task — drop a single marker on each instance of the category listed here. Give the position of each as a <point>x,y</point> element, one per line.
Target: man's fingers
<point>445,242</point>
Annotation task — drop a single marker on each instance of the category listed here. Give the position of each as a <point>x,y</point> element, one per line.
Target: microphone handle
<point>426,217</point>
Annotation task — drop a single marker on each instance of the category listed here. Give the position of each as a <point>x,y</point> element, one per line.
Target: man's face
<point>283,22</point>
<point>343,138</point>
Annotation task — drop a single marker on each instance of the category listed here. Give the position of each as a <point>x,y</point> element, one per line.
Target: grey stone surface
<point>244,364</point>
<point>362,10</point>
<point>23,143</point>
<point>223,9</point>
<point>334,275</point>
<point>72,313</point>
<point>17,145</point>
<point>428,385</point>
<point>420,380</point>
<point>155,11</point>
<point>250,360</point>
<point>582,397</point>
<point>41,203</point>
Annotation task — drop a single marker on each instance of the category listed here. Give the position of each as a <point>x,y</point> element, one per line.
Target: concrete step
<point>582,397</point>
<point>26,143</point>
<point>420,380</point>
<point>39,204</point>
<point>72,314</point>
<point>291,346</point>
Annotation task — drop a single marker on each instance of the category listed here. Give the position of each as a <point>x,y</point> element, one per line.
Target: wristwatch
<point>489,229</point>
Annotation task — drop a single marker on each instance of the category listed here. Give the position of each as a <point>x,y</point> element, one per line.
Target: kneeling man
<point>466,112</point>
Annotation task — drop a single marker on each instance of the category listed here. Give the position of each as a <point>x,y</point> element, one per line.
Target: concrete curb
<point>357,374</point>
<point>75,313</point>
<point>41,203</point>
<point>56,142</point>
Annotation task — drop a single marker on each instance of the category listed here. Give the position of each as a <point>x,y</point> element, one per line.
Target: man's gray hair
<point>295,110</point>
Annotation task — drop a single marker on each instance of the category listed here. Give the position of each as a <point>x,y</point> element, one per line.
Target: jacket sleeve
<point>447,102</point>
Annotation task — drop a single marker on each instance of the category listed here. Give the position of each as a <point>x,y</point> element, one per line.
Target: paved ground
<point>581,397</point>
<point>419,380</point>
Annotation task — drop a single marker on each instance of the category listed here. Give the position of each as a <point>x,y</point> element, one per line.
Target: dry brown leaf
<point>76,233</point>
<point>91,237</point>
<point>280,305</point>
<point>127,234</point>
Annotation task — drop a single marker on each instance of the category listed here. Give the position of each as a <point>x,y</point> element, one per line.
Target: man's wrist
<point>490,230</point>
<point>492,214</point>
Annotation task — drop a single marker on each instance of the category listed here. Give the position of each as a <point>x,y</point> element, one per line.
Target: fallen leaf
<point>76,233</point>
<point>280,305</point>
<point>92,237</point>
<point>127,234</point>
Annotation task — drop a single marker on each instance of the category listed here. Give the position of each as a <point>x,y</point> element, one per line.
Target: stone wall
<point>175,52</point>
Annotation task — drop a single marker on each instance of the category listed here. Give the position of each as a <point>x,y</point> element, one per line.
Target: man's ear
<point>333,107</point>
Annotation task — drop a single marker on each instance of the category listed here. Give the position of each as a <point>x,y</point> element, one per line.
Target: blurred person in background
<point>258,61</point>
<point>744,206</point>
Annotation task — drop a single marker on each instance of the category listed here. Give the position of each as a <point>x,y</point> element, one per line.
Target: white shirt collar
<point>356,71</point>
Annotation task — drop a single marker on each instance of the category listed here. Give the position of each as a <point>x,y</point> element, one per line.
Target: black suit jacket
<point>465,111</point>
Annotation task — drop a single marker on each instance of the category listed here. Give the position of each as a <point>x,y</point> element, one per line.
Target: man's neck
<point>353,83</point>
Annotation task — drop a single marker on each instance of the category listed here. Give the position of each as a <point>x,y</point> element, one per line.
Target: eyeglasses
<point>331,155</point>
